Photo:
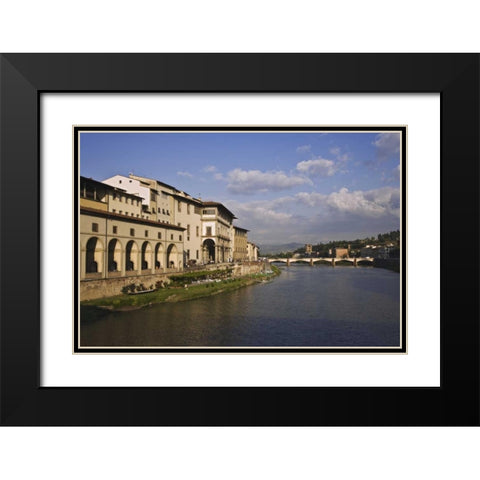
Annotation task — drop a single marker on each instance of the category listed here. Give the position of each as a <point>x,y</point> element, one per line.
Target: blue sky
<point>284,187</point>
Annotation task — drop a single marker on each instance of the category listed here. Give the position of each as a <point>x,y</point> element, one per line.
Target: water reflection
<point>305,306</point>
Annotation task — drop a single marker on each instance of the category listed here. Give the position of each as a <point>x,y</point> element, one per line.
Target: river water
<point>305,306</point>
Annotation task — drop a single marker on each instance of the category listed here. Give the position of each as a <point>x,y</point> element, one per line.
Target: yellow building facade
<point>240,244</point>
<point>217,233</point>
<point>114,239</point>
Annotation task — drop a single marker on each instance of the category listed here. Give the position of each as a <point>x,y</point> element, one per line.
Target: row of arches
<point>131,258</point>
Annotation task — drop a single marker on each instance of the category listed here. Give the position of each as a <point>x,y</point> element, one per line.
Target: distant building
<point>374,251</point>
<point>341,252</point>
<point>240,244</point>
<point>308,249</point>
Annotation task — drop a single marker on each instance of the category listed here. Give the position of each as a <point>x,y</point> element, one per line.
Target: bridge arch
<point>365,262</point>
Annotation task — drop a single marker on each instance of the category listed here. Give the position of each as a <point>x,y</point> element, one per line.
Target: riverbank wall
<point>388,263</point>
<point>109,287</point>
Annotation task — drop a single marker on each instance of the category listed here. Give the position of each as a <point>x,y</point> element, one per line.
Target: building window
<point>209,231</point>
<point>114,196</point>
<point>197,254</point>
<point>159,235</point>
<point>168,213</point>
<point>119,181</point>
<point>209,211</point>
<point>115,229</point>
<point>113,210</point>
<point>179,206</point>
<point>188,208</point>
<point>163,211</point>
<point>132,232</point>
<point>197,231</point>
<point>152,196</point>
<point>179,224</point>
<point>146,233</point>
<point>159,210</point>
<point>119,198</point>
<point>120,212</point>
<point>188,229</point>
<point>94,227</point>
<point>180,237</point>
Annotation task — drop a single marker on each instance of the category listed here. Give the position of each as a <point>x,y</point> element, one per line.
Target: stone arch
<point>131,256</point>
<point>94,256</point>
<point>365,262</point>
<point>146,256</point>
<point>209,250</point>
<point>158,255</point>
<point>114,261</point>
<point>171,256</point>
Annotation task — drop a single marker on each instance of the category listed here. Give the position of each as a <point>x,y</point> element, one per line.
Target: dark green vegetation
<point>323,249</point>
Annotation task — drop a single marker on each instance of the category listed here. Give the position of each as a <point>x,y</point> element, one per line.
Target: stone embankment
<point>101,288</point>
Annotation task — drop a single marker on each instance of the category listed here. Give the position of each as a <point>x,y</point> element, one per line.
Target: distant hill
<point>285,247</point>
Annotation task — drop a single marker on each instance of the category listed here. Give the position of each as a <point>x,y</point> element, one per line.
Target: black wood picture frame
<point>23,77</point>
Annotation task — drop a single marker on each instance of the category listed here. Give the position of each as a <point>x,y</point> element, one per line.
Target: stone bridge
<point>311,261</point>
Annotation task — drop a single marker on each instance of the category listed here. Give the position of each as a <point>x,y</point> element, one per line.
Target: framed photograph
<point>239,239</point>
<point>161,270</point>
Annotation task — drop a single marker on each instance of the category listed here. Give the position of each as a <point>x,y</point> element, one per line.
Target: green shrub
<point>128,288</point>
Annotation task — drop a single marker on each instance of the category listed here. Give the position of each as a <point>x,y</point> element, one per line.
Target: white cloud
<point>335,150</point>
<point>387,144</point>
<point>304,148</point>
<point>210,169</point>
<point>185,174</point>
<point>310,199</point>
<point>219,176</point>
<point>340,157</point>
<point>313,217</point>
<point>396,172</point>
<point>262,214</point>
<point>319,167</point>
<point>256,181</point>
<point>372,203</point>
